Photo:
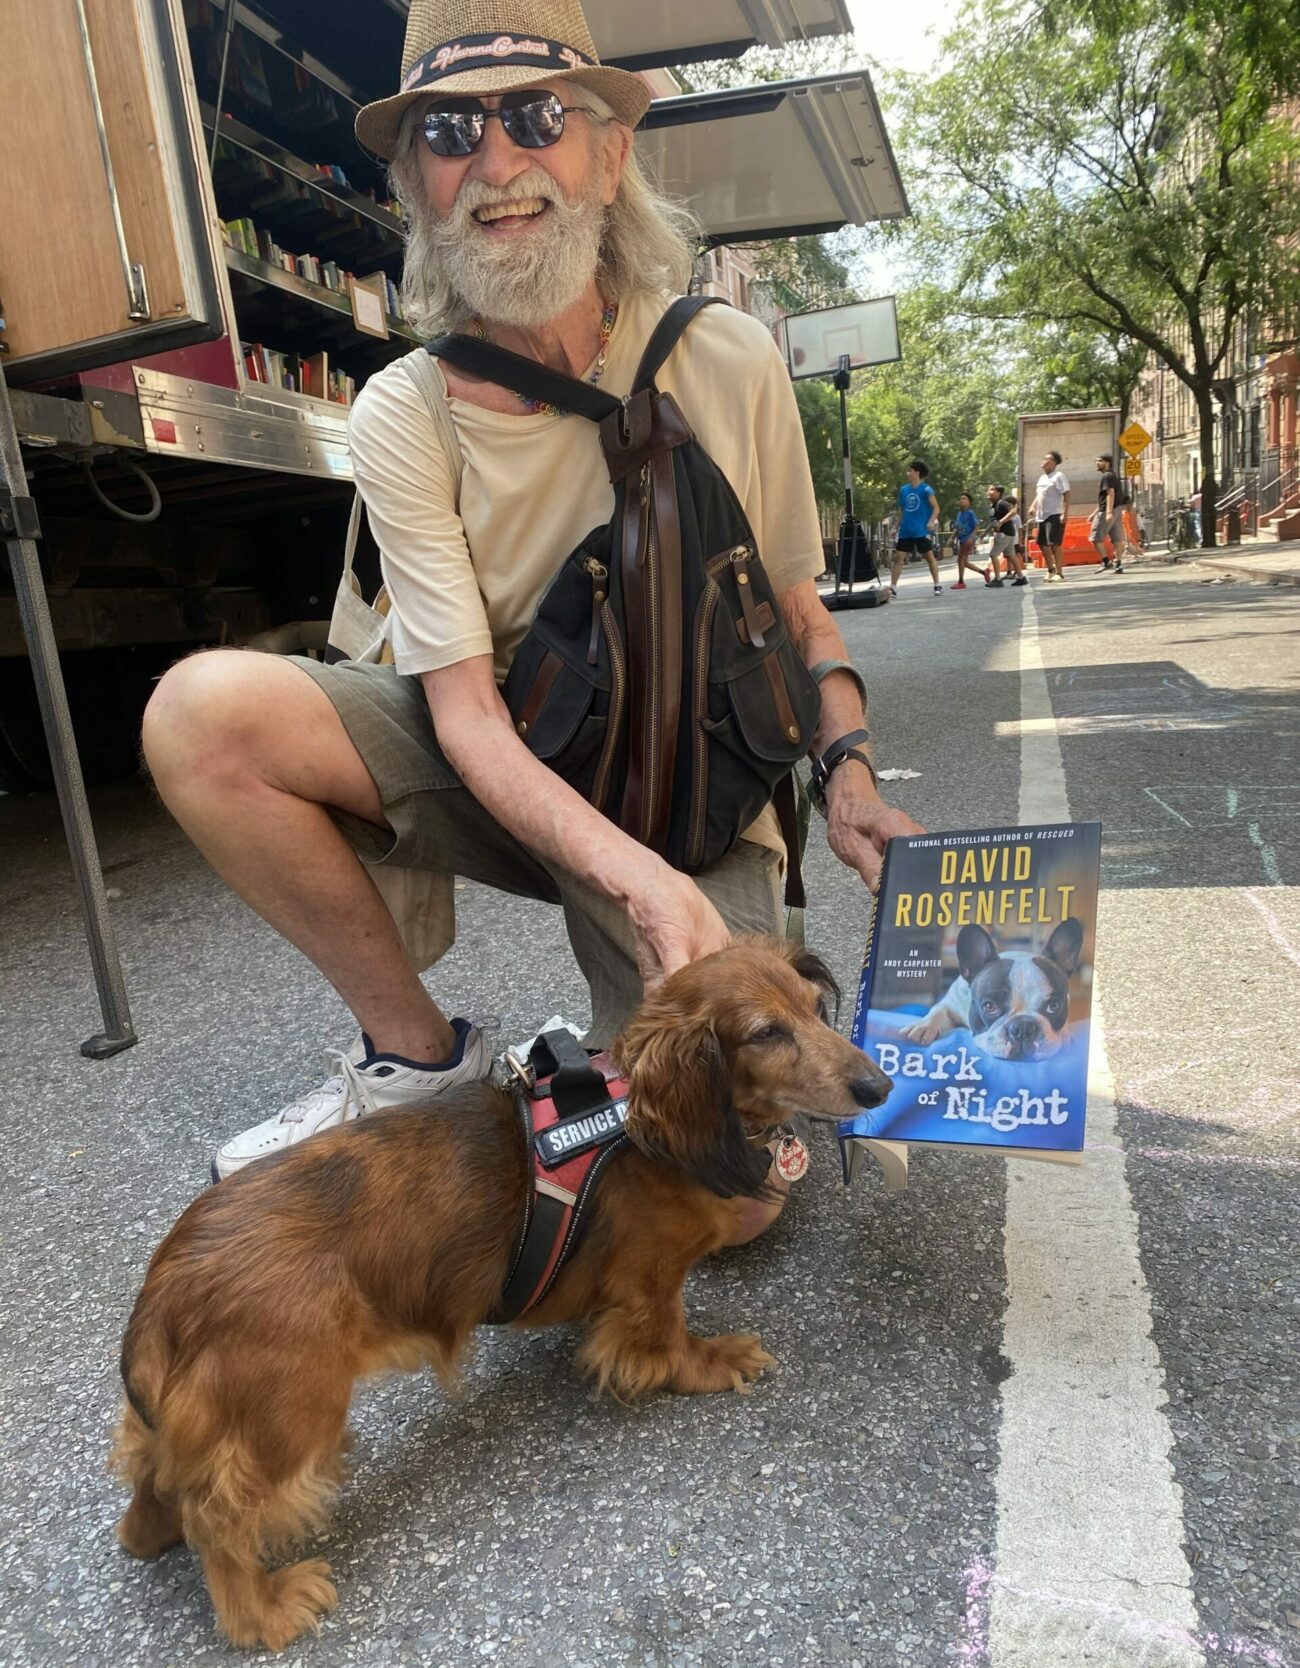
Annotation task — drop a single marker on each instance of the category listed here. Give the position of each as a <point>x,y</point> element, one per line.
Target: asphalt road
<point>848,1510</point>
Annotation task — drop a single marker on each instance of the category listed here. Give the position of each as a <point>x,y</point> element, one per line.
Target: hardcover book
<point>976,995</point>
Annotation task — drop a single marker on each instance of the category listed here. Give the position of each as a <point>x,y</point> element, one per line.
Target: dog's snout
<point>1022,1030</point>
<point>871,1088</point>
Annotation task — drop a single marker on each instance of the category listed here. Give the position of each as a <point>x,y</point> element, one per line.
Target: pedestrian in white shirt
<point>1051,511</point>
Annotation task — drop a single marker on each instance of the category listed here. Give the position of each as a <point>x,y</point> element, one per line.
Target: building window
<point>1253,458</point>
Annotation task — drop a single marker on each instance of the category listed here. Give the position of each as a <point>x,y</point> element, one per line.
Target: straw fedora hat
<point>488,46</point>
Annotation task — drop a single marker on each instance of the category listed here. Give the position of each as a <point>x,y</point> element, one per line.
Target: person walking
<point>965,527</point>
<point>1108,519</point>
<point>918,522</point>
<point>1050,512</point>
<point>1004,525</point>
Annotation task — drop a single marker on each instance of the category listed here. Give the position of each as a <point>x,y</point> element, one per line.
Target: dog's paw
<point>299,1596</point>
<point>732,1361</point>
<point>924,1031</point>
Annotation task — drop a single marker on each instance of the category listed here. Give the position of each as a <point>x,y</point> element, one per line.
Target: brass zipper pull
<point>599,574</point>
<point>740,558</point>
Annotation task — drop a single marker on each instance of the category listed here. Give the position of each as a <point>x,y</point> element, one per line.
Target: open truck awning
<point>641,35</point>
<point>784,159</point>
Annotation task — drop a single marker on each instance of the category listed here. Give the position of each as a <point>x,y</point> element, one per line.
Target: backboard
<point>867,331</point>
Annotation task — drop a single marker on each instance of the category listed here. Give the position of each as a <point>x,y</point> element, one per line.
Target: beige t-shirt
<point>467,584</point>
<point>535,486</point>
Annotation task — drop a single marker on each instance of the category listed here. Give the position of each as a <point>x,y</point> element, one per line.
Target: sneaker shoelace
<point>347,1082</point>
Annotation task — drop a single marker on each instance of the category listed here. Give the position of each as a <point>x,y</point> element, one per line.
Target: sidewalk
<point>1261,560</point>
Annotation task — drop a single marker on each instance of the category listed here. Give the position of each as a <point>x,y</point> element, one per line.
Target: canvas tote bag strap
<point>424,374</point>
<point>357,631</point>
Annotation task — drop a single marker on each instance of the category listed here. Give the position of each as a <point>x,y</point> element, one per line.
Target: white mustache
<point>477,194</point>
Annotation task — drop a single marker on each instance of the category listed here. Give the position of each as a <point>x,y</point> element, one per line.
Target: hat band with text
<point>473,52</point>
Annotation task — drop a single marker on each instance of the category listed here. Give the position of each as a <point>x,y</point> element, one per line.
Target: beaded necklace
<point>538,408</point>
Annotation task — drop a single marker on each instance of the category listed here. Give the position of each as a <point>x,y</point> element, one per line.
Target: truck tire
<point>107,693</point>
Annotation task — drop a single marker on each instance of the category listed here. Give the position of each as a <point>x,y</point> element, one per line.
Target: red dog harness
<point>572,1109</point>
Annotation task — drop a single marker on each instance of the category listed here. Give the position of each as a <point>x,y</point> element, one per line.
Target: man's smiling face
<point>517,231</point>
<point>501,176</point>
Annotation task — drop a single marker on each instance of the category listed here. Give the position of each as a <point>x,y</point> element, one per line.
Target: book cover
<point>976,991</point>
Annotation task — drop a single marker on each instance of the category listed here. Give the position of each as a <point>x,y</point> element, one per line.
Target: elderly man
<point>532,226</point>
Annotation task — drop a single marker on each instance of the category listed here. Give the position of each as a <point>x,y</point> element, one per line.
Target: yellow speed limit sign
<point>1132,467</point>
<point>1135,440</point>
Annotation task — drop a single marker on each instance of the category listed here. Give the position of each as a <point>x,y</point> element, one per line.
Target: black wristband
<point>847,747</point>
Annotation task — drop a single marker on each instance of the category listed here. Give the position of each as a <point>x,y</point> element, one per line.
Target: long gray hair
<point>650,241</point>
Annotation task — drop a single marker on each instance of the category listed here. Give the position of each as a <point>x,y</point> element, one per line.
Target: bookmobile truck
<point>1081,437</point>
<point>198,269</point>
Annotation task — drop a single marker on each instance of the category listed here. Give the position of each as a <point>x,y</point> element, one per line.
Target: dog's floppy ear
<point>975,949</point>
<point>679,1104</point>
<point>814,969</point>
<point>1065,944</point>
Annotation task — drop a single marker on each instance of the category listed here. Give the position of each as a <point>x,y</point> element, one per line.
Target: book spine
<point>871,950</point>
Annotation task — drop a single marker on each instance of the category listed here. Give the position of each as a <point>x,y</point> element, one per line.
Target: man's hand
<point>859,824</point>
<point>672,922</point>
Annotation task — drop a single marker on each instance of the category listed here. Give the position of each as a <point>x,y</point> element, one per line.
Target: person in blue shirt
<point>918,520</point>
<point>965,526</point>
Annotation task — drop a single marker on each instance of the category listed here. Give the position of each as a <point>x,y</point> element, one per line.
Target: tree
<point>1129,181</point>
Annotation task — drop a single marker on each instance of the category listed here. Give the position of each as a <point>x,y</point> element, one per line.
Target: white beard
<point>523,281</point>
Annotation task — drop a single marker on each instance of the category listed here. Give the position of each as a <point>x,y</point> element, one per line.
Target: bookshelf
<point>261,272</point>
<point>286,167</point>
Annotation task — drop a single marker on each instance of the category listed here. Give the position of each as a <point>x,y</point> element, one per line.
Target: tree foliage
<point>1127,180</point>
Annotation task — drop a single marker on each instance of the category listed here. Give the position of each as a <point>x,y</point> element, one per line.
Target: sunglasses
<point>532,119</point>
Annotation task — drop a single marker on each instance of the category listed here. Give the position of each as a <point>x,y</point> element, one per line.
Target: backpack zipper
<point>655,713</point>
<point>614,722</point>
<point>599,595</point>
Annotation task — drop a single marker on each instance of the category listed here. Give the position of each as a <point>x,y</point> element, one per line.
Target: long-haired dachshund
<point>383,1244</point>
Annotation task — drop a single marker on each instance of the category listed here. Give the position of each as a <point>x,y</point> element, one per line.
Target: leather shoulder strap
<point>523,376</point>
<point>667,334</point>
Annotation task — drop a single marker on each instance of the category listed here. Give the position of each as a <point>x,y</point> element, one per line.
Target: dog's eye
<point>990,1008</point>
<point>769,1034</point>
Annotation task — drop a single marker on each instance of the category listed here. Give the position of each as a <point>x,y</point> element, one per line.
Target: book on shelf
<point>316,375</point>
<point>976,995</point>
<point>259,244</point>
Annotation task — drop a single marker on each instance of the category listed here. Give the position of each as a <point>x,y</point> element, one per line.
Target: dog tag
<point>791,1158</point>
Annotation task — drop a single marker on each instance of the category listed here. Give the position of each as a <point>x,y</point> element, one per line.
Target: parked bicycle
<point>1181,526</point>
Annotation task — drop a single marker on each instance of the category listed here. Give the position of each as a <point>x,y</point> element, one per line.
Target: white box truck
<point>1081,437</point>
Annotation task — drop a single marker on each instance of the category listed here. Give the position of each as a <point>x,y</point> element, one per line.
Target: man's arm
<point>934,512</point>
<point>671,919</point>
<point>859,823</point>
<point>1065,502</point>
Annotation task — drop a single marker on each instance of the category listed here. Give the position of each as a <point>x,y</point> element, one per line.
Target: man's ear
<point>679,1104</point>
<point>615,140</point>
<point>1065,945</point>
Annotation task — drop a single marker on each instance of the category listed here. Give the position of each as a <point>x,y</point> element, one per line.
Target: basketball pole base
<point>836,600</point>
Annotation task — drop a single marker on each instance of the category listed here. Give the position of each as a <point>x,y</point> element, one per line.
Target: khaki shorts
<point>437,825</point>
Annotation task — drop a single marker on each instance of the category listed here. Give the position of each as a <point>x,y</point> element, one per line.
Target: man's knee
<point>209,710</point>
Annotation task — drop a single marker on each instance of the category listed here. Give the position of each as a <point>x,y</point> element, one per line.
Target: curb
<point>1261,576</point>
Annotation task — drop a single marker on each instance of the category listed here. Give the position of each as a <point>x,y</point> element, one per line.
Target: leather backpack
<point>658,677</point>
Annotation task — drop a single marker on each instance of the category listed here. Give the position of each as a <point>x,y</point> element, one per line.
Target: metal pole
<point>18,517</point>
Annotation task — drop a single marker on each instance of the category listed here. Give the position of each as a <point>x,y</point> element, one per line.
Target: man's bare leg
<point>246,752</point>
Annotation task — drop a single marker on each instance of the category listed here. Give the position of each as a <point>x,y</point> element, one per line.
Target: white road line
<point>1089,1567</point>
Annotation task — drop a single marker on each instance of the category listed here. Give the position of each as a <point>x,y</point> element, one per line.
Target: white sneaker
<point>365,1082</point>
